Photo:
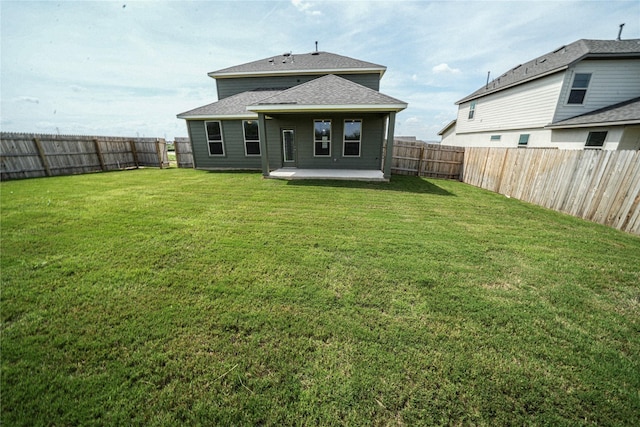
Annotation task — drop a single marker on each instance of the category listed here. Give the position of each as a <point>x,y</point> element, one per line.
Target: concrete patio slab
<point>338,174</point>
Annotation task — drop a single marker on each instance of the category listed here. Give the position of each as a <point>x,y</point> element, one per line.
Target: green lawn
<point>167,297</point>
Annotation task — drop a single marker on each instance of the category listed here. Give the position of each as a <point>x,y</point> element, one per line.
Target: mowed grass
<point>168,297</point>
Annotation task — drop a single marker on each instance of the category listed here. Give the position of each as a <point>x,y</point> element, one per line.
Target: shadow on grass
<point>407,184</point>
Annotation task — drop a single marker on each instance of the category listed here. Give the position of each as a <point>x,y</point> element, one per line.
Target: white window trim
<point>314,137</point>
<point>596,147</point>
<point>472,109</point>
<point>526,144</point>
<point>206,131</point>
<point>586,90</point>
<point>344,140</point>
<point>244,135</point>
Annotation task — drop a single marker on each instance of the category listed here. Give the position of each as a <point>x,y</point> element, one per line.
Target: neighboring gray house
<point>311,111</point>
<point>583,95</point>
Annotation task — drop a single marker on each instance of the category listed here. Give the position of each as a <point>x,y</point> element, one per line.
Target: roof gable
<point>329,92</point>
<point>308,63</point>
<point>556,61</point>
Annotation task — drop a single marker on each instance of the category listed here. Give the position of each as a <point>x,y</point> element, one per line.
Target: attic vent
<point>315,53</point>
<point>286,54</point>
<point>559,49</point>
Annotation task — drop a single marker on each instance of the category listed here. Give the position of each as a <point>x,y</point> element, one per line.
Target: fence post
<point>158,153</point>
<point>132,143</point>
<point>420,158</point>
<point>99,153</point>
<point>43,157</point>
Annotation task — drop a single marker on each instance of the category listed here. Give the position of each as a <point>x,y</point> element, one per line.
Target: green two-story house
<point>314,111</point>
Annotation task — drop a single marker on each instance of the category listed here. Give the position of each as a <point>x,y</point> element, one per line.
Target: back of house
<point>317,110</point>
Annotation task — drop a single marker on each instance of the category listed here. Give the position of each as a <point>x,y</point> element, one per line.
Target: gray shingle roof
<point>558,60</point>
<point>328,91</point>
<point>296,63</point>
<point>235,105</point>
<point>627,112</point>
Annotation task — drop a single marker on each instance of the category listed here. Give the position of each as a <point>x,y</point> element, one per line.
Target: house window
<point>579,88</point>
<point>524,140</point>
<point>214,137</point>
<point>495,137</point>
<point>596,139</point>
<point>472,110</point>
<point>251,138</point>
<point>352,137</point>
<point>322,138</point>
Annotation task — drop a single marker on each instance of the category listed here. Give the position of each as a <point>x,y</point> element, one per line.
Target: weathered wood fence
<point>598,185</point>
<point>430,160</point>
<point>25,155</point>
<point>184,153</point>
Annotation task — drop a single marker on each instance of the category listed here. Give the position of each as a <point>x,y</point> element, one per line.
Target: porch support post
<point>388,157</point>
<point>264,153</point>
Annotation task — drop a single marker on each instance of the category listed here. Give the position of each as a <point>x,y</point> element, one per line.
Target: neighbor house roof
<point>624,113</point>
<point>328,93</point>
<point>307,63</point>
<point>558,60</point>
<point>231,107</point>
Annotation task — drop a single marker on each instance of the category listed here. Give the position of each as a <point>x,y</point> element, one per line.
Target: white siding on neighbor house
<point>612,81</point>
<point>529,105</point>
<point>574,139</point>
<point>508,138</point>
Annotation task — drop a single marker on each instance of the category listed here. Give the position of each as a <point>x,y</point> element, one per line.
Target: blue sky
<point>127,68</point>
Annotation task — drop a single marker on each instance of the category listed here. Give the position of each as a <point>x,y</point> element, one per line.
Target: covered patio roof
<point>328,93</point>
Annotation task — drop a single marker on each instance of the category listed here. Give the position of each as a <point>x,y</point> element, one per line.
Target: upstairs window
<point>214,138</point>
<point>322,137</point>
<point>579,88</point>
<point>472,110</point>
<point>251,138</point>
<point>596,139</point>
<point>352,137</point>
<point>524,140</point>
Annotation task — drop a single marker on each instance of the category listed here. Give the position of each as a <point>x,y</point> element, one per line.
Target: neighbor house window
<point>596,139</point>
<point>251,138</point>
<point>214,137</point>
<point>524,140</point>
<point>322,138</point>
<point>352,137</point>
<point>579,88</point>
<point>472,110</point>
<point>495,137</point>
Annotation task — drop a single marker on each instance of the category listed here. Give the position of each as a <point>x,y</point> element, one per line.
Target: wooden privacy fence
<point>184,153</point>
<point>35,155</point>
<point>431,160</point>
<point>598,185</point>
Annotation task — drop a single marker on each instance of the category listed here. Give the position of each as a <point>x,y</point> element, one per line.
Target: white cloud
<point>105,69</point>
<point>445,69</point>
<point>305,7</point>
<point>27,99</point>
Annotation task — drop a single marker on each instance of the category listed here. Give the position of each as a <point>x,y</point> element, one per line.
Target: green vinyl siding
<point>234,153</point>
<point>233,86</point>
<point>302,124</point>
